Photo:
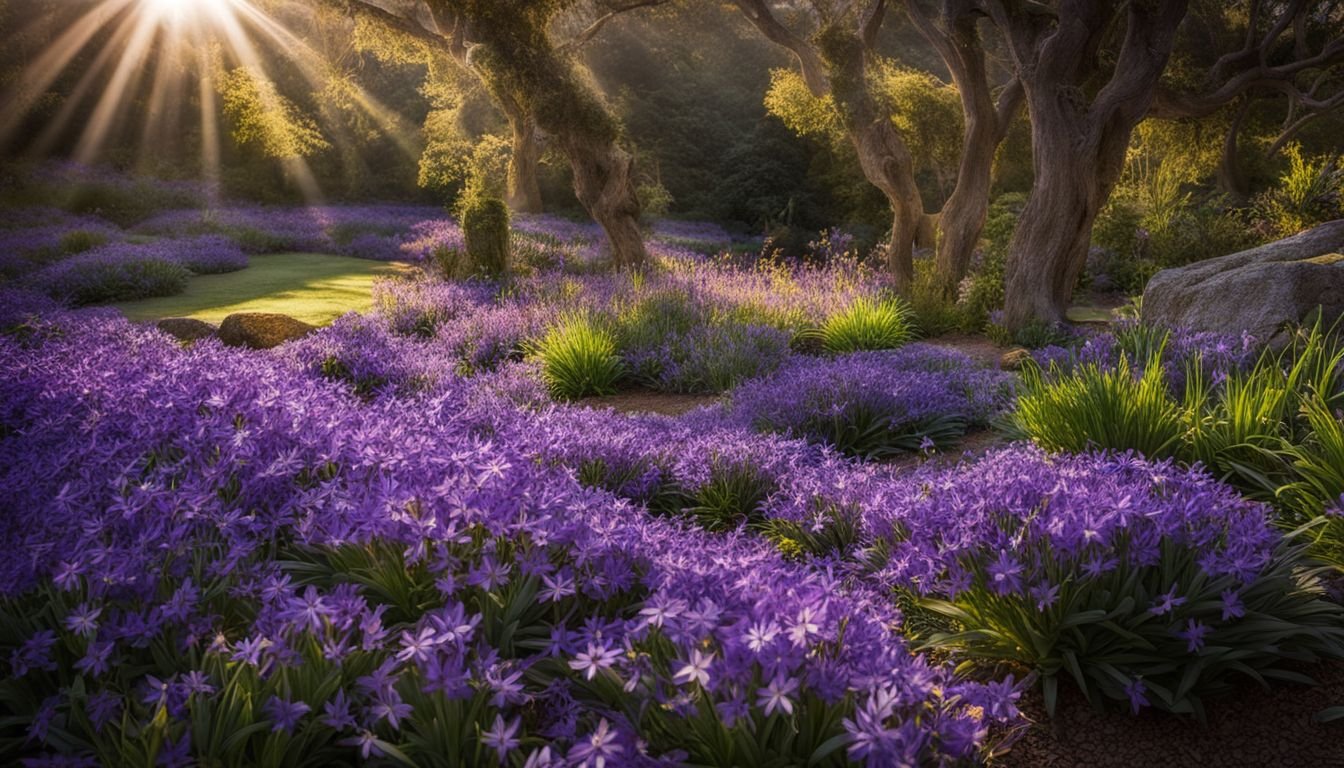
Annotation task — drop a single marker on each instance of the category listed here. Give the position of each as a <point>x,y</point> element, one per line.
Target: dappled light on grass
<point>314,288</point>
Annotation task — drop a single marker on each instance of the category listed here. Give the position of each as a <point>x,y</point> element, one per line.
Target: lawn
<point>312,287</point>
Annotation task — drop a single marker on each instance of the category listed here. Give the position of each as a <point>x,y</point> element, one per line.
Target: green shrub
<point>92,278</point>
<point>1105,634</point>
<point>578,358</point>
<point>1036,334</point>
<point>733,496</point>
<point>452,263</point>
<point>81,240</point>
<point>1310,191</point>
<point>868,325</point>
<point>1090,407</point>
<point>934,313</point>
<point>485,227</point>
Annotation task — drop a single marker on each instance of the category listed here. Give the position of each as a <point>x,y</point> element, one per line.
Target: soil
<point>649,401</point>
<point>977,347</point>
<point>1250,728</point>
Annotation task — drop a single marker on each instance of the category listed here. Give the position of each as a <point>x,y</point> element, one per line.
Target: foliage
<point>578,358</point>
<point>1310,191</point>
<point>485,228</point>
<point>81,240</point>
<point>1266,425</point>
<point>1164,632</point>
<point>263,117</point>
<point>875,404</point>
<point>102,276</point>
<point>1090,407</point>
<point>412,584</point>
<point>868,325</point>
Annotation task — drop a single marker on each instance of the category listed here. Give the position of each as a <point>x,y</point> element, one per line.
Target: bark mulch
<point>1251,728</point>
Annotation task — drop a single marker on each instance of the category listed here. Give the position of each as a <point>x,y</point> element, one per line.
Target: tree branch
<point>584,37</point>
<point>814,73</point>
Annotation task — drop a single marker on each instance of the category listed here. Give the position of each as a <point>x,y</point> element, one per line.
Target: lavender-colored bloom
<point>285,715</point>
<point>1194,633</point>
<point>1136,691</point>
<point>502,737</point>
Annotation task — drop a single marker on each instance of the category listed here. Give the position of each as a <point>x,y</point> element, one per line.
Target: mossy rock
<point>186,329</point>
<point>261,330</point>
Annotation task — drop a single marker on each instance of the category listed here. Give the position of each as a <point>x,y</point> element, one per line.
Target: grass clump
<point>868,325</point>
<point>578,358</point>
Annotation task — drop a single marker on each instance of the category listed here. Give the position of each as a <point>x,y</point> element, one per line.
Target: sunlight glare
<point>178,11</point>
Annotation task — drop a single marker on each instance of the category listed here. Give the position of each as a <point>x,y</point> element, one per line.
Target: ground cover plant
<point>635,383</point>
<point>288,569</point>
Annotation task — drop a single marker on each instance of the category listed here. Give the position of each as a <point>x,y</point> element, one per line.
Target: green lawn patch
<point>312,287</point>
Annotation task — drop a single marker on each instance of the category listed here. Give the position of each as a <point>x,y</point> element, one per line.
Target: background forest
<point>719,120</point>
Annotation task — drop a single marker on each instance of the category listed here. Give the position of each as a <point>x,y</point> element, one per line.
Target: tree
<point>1288,55</point>
<point>1083,112</point>
<point>841,68</point>
<point>509,46</point>
<point>955,35</point>
<point>835,53</point>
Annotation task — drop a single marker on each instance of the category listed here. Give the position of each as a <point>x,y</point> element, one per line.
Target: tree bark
<point>962,220</point>
<point>523,190</point>
<point>1078,142</point>
<point>883,154</point>
<point>834,62</point>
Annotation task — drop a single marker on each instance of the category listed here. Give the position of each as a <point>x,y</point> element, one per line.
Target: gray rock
<point>261,330</point>
<point>1258,290</point>
<point>186,328</point>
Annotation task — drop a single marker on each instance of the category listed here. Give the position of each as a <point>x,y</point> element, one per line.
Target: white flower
<point>697,669</point>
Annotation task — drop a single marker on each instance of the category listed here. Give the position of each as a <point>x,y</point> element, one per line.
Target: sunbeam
<point>138,65</point>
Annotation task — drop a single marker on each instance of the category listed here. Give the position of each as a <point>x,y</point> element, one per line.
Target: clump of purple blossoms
<point>875,403</point>
<point>256,484</point>
<point>109,274</point>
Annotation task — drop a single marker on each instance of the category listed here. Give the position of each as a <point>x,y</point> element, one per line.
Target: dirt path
<point>649,401</point>
<point>1251,728</point>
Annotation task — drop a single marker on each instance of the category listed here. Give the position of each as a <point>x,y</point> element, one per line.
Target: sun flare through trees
<point>657,383</point>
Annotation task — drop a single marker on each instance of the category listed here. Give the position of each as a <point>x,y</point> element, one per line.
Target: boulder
<point>186,328</point>
<point>1259,290</point>
<point>261,330</point>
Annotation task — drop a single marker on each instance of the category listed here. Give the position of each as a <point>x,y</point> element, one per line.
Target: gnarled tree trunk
<point>883,154</point>
<point>1078,142</point>
<point>518,62</point>
<point>962,219</point>
<point>604,183</point>
<point>508,45</point>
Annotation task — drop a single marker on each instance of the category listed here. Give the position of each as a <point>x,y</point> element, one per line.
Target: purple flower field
<point>389,542</point>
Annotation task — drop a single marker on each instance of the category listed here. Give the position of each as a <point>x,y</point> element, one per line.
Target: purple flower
<point>599,747</point>
<point>502,737</point>
<point>1005,574</point>
<point>696,669</point>
<point>83,620</point>
<point>1166,603</point>
<point>1136,690</point>
<point>593,660</point>
<point>285,715</point>
<point>336,712</point>
<point>775,696</point>
<point>1193,635</point>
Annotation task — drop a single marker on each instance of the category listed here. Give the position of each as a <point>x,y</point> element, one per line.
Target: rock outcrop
<point>1258,290</point>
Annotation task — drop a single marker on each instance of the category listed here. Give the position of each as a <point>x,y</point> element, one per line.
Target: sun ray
<point>38,77</point>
